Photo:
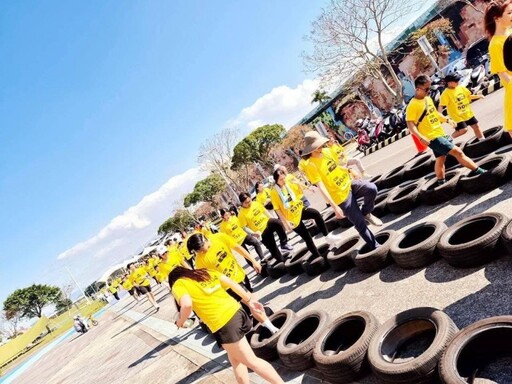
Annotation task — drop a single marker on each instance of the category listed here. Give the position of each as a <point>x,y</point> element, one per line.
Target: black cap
<point>452,77</point>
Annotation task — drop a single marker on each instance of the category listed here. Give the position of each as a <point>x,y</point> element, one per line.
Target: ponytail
<point>199,275</point>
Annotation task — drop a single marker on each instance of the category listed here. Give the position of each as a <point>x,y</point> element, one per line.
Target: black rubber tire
<point>433,194</point>
<point>473,148</point>
<point>419,166</point>
<point>276,269</point>
<point>331,222</point>
<point>405,198</point>
<point>314,266</point>
<point>293,265</point>
<point>295,346</point>
<point>348,337</point>
<point>263,343</point>
<point>403,327</point>
<point>474,347</point>
<point>506,150</point>
<point>341,257</point>
<point>392,178</point>
<point>312,228</point>
<point>473,241</point>
<point>416,247</point>
<point>496,167</point>
<point>373,261</point>
<point>376,180</point>
<point>506,237</point>
<point>380,208</point>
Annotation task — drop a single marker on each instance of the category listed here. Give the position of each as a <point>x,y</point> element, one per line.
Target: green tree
<point>256,146</point>
<point>93,288</point>
<point>179,221</point>
<point>64,303</point>
<point>320,96</point>
<point>205,190</point>
<point>30,301</point>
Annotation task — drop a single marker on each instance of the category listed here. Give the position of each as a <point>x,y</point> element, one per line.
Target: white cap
<point>161,249</point>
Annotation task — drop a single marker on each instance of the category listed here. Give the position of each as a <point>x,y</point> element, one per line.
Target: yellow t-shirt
<point>127,284</point>
<point>220,258</point>
<point>233,228</point>
<point>263,196</point>
<point>150,269</point>
<point>430,126</point>
<point>253,217</point>
<point>174,259</point>
<point>302,165</point>
<point>112,289</point>
<point>293,212</point>
<point>139,277</point>
<point>340,152</point>
<point>497,64</point>
<point>209,300</point>
<point>335,178</point>
<point>291,179</point>
<point>184,250</point>
<point>206,231</point>
<point>457,102</point>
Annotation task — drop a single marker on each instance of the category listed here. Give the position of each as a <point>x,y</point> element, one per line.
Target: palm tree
<point>320,96</point>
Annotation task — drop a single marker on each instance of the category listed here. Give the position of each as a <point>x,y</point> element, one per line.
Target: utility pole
<point>73,278</point>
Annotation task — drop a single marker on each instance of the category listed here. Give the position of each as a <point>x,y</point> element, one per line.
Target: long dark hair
<point>198,275</point>
<point>276,175</point>
<point>495,9</point>
<point>195,242</point>
<point>243,196</point>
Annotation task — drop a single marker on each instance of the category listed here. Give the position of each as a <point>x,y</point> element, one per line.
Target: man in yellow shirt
<point>424,122</point>
<point>457,101</point>
<point>127,284</point>
<point>139,277</point>
<point>113,286</point>
<point>337,188</point>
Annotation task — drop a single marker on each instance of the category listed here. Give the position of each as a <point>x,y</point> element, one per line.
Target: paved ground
<point>135,345</point>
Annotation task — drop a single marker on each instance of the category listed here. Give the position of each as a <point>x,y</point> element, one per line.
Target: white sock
<point>267,324</point>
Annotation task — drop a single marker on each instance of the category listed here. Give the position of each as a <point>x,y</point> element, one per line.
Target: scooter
<point>397,120</point>
<point>364,140</point>
<point>372,127</point>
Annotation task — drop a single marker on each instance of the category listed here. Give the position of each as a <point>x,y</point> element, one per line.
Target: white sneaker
<point>367,176</point>
<point>333,239</point>
<point>373,220</point>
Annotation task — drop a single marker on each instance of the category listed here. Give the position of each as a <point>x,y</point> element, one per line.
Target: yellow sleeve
<point>496,56</point>
<point>275,199</point>
<point>261,198</point>
<point>227,240</point>
<point>179,289</point>
<point>444,100</point>
<point>412,113</point>
<point>311,172</point>
<point>466,91</point>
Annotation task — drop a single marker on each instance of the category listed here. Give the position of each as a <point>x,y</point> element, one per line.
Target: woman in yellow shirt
<point>127,284</point>
<point>292,212</point>
<point>139,276</point>
<point>204,292</point>
<point>263,195</point>
<point>498,21</point>
<point>255,219</point>
<point>231,227</point>
<point>337,188</point>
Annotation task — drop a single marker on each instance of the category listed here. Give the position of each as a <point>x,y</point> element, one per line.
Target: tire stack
<point>263,343</point>
<point>367,260</point>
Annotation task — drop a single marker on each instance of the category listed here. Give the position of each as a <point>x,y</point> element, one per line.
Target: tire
<point>418,167</point>
<point>293,265</point>
<point>376,180</point>
<point>373,261</point>
<point>406,327</point>
<point>312,228</point>
<point>496,167</point>
<point>473,148</point>
<point>392,178</point>
<point>506,237</point>
<point>506,150</point>
<point>276,269</point>
<point>94,322</point>
<point>473,241</point>
<point>433,194</point>
<point>263,343</point>
<point>416,247</point>
<point>404,198</point>
<point>380,208</point>
<point>314,266</point>
<point>331,222</point>
<point>475,348</point>
<point>340,352</point>
<point>295,346</point>
<point>341,257</point>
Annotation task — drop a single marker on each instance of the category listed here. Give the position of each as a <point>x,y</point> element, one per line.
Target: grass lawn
<point>59,325</point>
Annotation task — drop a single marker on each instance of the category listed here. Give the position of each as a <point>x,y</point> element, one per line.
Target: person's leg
<point>358,164</point>
<point>251,240</point>
<point>241,353</point>
<point>303,232</point>
<point>459,132</point>
<point>241,372</point>
<point>477,131</point>
<point>462,158</point>
<point>152,300</point>
<point>311,213</point>
<point>116,295</point>
<point>267,238</point>
<point>276,226</point>
<point>367,191</point>
<point>351,210</point>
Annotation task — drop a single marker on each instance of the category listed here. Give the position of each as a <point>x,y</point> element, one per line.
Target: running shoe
<point>373,220</point>
<point>287,247</point>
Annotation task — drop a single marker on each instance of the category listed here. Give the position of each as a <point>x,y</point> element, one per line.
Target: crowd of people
<point>201,270</point>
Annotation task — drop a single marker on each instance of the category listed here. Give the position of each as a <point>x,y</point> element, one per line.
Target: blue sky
<point>103,105</point>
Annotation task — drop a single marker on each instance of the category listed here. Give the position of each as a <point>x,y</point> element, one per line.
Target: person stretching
<point>140,279</point>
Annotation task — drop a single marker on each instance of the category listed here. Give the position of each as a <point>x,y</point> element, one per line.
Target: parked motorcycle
<point>367,133</point>
<point>397,120</point>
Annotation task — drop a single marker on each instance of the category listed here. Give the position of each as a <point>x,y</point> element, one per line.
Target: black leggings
<point>251,240</point>
<point>267,238</point>
<point>302,231</point>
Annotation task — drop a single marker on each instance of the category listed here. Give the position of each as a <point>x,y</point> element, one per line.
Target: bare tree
<point>349,36</point>
<point>9,321</point>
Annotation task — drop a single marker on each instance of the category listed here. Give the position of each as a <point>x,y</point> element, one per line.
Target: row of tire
<point>470,242</point>
<point>419,345</point>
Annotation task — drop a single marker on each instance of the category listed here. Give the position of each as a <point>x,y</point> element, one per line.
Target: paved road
<point>123,351</point>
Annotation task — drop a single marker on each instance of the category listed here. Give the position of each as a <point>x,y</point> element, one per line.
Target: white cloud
<point>128,231</point>
<point>282,105</point>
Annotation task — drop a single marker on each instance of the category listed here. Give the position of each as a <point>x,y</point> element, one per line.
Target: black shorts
<point>131,291</point>
<point>464,124</point>
<point>235,329</point>
<point>143,289</point>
